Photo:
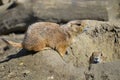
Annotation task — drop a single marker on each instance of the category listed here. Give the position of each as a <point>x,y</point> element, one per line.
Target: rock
<point>25,72</point>
<point>66,10</point>
<point>21,13</point>
<point>11,75</point>
<point>107,71</point>
<point>14,20</point>
<point>114,10</point>
<point>6,6</point>
<point>5,1</point>
<point>25,12</point>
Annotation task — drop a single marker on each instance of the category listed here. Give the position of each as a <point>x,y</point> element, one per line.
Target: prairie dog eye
<point>101,54</point>
<point>78,24</point>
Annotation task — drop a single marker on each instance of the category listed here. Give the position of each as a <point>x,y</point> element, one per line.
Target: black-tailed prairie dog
<point>97,57</point>
<point>43,35</point>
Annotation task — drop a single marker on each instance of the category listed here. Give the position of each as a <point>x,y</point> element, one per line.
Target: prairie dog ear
<point>101,53</point>
<point>78,24</point>
<point>93,53</point>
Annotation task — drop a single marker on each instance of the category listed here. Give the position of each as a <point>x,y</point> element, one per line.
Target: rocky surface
<point>25,12</point>
<point>107,71</point>
<point>16,15</point>
<point>20,64</point>
<point>65,10</point>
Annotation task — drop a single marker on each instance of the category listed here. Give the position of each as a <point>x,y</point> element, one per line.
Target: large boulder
<point>107,71</point>
<point>22,13</point>
<point>15,20</point>
<point>65,10</point>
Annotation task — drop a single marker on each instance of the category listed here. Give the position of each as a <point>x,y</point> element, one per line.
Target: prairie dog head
<point>76,25</point>
<point>96,57</point>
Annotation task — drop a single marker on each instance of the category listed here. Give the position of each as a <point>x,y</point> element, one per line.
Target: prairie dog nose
<point>96,59</point>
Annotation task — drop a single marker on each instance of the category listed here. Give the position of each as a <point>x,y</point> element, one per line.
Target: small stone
<point>21,64</point>
<point>11,74</point>
<point>26,72</point>
<point>50,77</point>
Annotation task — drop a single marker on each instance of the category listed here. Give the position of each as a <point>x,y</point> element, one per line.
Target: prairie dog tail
<point>11,43</point>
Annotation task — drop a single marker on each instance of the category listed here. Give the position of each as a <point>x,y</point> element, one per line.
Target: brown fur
<point>100,57</point>
<point>42,35</point>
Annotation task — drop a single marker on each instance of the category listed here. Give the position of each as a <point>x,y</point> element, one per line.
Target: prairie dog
<point>97,57</point>
<point>44,35</point>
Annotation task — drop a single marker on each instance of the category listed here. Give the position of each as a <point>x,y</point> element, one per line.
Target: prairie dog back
<point>44,34</point>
